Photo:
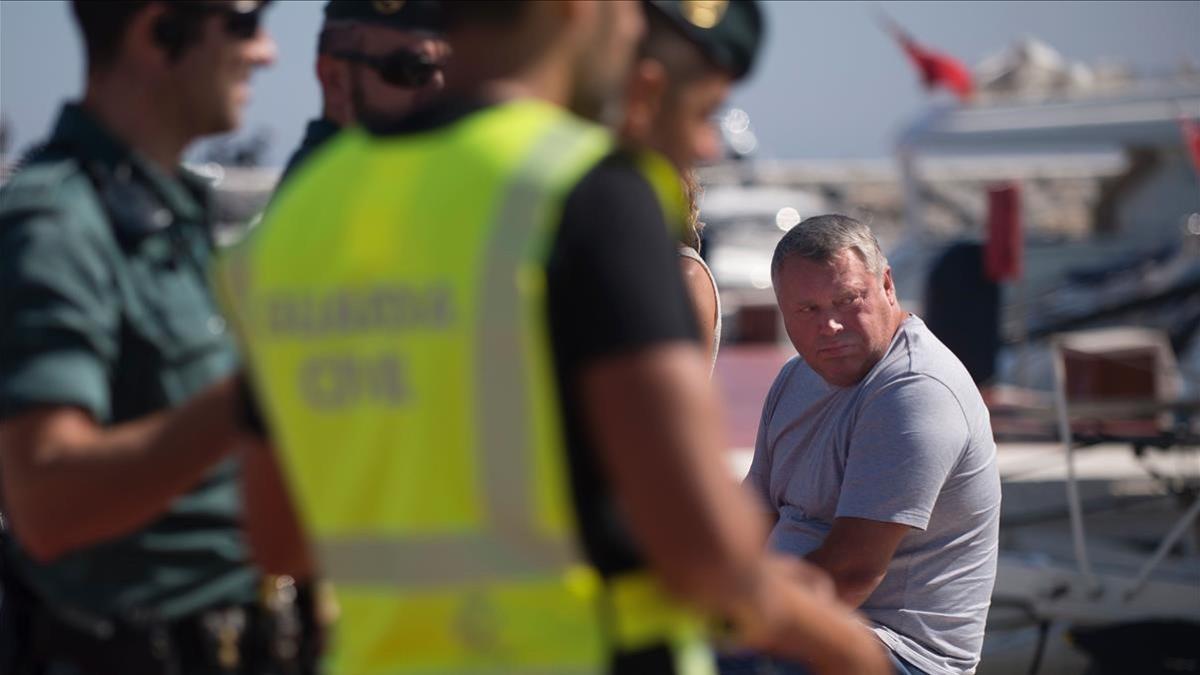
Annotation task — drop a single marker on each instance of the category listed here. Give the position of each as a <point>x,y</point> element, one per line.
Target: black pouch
<point>16,620</point>
<point>102,647</point>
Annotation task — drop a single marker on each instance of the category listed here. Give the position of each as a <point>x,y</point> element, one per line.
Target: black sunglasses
<point>243,18</point>
<point>401,68</point>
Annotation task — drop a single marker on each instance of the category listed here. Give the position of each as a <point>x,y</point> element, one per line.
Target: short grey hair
<point>820,238</point>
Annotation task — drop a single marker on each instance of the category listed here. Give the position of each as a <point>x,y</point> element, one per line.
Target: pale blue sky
<point>830,84</point>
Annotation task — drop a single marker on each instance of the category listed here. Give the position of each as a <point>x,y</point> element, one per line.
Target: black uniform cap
<point>399,14</point>
<point>727,31</point>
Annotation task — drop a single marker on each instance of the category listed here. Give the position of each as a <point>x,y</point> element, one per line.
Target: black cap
<point>399,14</point>
<point>727,31</point>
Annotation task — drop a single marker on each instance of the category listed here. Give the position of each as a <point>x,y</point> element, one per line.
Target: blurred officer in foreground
<point>126,554</point>
<point>376,61</point>
<point>687,63</point>
<point>479,307</point>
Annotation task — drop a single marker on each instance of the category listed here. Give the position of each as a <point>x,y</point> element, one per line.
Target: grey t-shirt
<point>911,443</point>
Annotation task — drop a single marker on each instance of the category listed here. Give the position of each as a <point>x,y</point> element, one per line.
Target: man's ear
<point>889,288</point>
<point>643,99</point>
<point>147,36</point>
<point>334,75</point>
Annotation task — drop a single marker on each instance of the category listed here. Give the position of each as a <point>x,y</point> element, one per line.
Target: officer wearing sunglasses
<point>376,61</point>
<point>125,552</point>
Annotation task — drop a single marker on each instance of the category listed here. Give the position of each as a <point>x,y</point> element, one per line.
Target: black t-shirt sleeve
<point>614,281</point>
<point>614,287</point>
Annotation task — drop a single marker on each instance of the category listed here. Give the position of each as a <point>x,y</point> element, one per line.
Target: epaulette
<point>37,186</point>
<point>29,155</point>
<point>36,154</point>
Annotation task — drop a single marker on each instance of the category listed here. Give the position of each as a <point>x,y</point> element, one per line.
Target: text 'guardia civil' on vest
<point>391,308</point>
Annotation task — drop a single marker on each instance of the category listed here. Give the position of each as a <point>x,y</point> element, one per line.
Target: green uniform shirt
<point>108,309</point>
<point>315,134</point>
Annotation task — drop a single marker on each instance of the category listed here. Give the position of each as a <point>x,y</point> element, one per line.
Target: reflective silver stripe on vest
<point>422,561</point>
<point>510,545</point>
<point>504,669</point>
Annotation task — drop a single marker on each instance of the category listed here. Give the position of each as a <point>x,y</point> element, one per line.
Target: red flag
<point>1191,139</point>
<point>936,69</point>
<point>1002,251</point>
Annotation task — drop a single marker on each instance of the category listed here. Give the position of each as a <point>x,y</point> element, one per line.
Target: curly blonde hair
<point>693,226</point>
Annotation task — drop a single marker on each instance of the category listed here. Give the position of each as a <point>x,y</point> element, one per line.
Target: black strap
<point>16,618</point>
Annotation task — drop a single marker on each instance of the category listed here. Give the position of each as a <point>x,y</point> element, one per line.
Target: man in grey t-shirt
<point>875,452</point>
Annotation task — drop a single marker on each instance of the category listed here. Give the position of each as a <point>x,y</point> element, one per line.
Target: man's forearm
<point>802,626</point>
<point>857,553</point>
<point>72,484</point>
<point>853,585</point>
<point>277,538</point>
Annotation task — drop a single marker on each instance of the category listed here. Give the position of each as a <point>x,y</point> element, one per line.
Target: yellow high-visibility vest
<point>393,313</point>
